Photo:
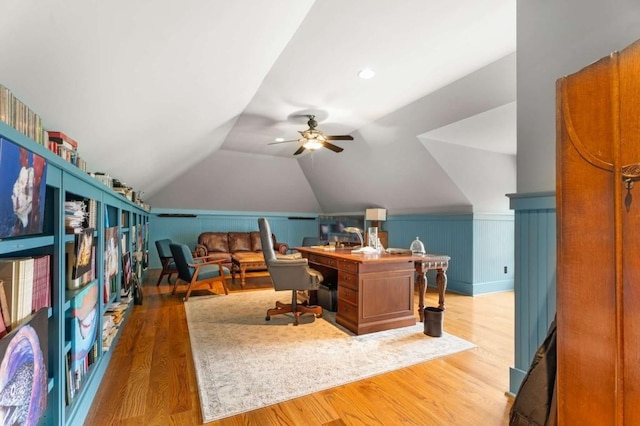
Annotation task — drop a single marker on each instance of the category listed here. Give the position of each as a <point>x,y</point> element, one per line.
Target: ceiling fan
<point>313,139</point>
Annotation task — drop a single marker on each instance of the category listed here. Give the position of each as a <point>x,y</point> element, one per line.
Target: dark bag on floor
<point>137,290</point>
<point>535,403</point>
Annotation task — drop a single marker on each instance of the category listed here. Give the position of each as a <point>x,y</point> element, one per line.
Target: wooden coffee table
<point>247,262</point>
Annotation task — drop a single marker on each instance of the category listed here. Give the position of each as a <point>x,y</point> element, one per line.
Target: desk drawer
<point>322,260</point>
<point>348,311</point>
<point>345,265</point>
<point>347,279</point>
<point>347,294</point>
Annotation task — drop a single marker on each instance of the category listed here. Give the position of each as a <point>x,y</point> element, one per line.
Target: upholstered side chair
<point>166,259</point>
<point>197,271</point>
<point>288,274</point>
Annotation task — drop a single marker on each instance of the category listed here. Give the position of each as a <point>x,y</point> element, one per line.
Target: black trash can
<point>328,297</point>
<point>433,319</point>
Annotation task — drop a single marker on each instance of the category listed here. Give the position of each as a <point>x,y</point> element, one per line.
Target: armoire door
<point>598,211</point>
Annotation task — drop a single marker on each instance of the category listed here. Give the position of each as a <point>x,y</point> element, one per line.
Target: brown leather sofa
<point>222,245</point>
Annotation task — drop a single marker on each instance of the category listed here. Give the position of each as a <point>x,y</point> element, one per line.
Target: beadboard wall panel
<point>493,253</point>
<point>469,239</point>
<point>288,229</point>
<point>535,279</point>
<point>480,246</point>
<point>446,234</point>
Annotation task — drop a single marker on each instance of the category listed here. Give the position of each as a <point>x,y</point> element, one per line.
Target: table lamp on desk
<point>362,249</point>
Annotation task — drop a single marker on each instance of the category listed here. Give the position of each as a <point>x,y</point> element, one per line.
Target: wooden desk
<point>375,292</point>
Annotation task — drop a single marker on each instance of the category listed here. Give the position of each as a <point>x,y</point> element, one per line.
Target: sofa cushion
<point>215,241</point>
<point>255,241</point>
<point>239,241</point>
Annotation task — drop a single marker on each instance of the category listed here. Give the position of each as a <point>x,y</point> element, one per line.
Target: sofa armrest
<point>200,251</point>
<point>282,248</point>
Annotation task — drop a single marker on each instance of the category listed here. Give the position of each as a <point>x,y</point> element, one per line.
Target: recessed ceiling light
<point>366,73</point>
<point>279,139</point>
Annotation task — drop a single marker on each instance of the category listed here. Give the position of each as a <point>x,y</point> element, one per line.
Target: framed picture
<point>23,179</point>
<point>111,264</point>
<point>126,273</point>
<point>23,372</point>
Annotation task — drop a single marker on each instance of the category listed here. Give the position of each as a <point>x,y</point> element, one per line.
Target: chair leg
<point>175,285</point>
<point>186,297</point>
<point>224,286</point>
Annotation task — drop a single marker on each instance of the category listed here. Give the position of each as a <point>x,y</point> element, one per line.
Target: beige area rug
<point>244,362</point>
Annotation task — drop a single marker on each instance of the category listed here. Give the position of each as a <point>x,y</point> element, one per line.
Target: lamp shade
<point>375,214</point>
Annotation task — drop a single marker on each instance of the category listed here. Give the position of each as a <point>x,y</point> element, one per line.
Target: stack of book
<point>109,331</point>
<point>25,288</point>
<point>65,147</point>
<point>111,321</point>
<point>17,115</point>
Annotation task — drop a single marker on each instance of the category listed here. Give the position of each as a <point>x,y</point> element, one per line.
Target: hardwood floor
<point>151,378</point>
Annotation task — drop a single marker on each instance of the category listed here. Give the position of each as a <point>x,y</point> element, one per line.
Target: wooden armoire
<point>598,211</point>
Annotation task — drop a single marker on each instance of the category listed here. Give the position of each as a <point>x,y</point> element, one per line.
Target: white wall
<point>236,181</point>
<point>556,38</point>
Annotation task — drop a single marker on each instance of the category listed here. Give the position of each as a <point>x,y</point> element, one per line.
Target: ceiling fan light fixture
<point>312,144</point>
<point>279,139</point>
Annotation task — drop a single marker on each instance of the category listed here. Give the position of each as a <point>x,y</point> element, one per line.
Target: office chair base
<point>285,308</point>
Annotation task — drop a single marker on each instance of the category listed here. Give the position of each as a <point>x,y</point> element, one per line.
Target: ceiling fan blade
<point>333,147</point>
<point>299,151</point>
<point>276,143</point>
<point>339,138</point>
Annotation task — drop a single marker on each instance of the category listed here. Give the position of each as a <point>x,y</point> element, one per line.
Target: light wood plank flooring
<point>151,378</point>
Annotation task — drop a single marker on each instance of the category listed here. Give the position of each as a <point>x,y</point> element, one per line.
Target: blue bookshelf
<point>65,181</point>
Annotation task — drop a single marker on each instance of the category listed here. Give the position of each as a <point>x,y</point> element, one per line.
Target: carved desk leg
<point>421,280</point>
<point>441,281</point>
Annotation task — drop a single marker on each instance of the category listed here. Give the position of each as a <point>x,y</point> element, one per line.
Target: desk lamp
<point>362,249</point>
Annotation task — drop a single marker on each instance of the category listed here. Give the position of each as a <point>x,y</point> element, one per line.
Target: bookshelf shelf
<point>65,182</point>
<point>21,244</point>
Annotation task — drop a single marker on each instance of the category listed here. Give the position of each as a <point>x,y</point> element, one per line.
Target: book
<point>17,275</point>
<point>62,139</point>
<point>3,327</point>
<point>4,306</point>
<point>41,283</point>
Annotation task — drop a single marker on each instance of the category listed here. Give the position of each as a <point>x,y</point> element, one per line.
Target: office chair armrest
<point>288,263</point>
<point>288,256</point>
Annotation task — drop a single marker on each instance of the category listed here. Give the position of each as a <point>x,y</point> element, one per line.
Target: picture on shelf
<point>110,252</point>
<point>126,273</point>
<point>83,324</point>
<point>23,178</point>
<point>84,251</point>
<point>23,372</point>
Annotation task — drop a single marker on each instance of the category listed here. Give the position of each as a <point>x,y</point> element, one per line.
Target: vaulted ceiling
<point>180,100</point>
